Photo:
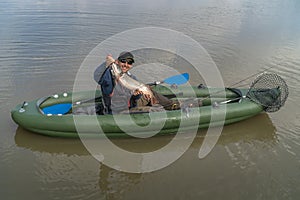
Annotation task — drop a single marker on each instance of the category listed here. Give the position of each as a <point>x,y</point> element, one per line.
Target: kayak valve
<point>24,104</point>
<point>22,109</point>
<point>215,105</point>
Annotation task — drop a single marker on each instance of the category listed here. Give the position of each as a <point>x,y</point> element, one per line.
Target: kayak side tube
<point>30,118</point>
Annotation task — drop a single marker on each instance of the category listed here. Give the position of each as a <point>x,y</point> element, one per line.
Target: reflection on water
<point>69,165</point>
<point>40,143</point>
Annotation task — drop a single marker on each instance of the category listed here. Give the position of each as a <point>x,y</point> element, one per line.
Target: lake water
<point>42,45</point>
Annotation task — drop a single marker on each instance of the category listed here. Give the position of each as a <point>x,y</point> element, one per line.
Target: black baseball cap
<point>126,55</point>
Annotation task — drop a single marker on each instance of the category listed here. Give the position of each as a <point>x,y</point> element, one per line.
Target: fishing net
<point>270,91</point>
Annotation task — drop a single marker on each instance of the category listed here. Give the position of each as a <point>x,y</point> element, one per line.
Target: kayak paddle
<point>57,109</point>
<point>63,108</point>
<point>174,80</point>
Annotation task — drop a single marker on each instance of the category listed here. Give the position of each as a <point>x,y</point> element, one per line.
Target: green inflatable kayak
<point>226,108</point>
<point>73,115</point>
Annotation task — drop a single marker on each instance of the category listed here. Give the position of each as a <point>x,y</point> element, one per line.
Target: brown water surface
<point>42,45</point>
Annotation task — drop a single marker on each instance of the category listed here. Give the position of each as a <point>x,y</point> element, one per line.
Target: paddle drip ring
<point>270,91</point>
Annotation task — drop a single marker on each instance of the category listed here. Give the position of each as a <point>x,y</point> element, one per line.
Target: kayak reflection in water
<point>122,92</point>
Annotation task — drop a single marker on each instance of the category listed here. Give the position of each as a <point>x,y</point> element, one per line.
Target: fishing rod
<point>251,76</point>
<point>237,83</point>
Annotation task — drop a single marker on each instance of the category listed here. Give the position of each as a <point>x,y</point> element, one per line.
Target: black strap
<point>236,91</point>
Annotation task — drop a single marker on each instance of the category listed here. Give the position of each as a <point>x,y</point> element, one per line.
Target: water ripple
<point>59,173</point>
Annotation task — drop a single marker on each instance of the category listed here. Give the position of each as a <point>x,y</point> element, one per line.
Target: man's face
<point>125,64</point>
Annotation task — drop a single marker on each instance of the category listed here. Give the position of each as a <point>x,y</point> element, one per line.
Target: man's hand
<point>140,92</point>
<point>137,92</point>
<point>109,60</point>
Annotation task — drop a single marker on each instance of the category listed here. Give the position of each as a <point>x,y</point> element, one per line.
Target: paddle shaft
<point>63,109</point>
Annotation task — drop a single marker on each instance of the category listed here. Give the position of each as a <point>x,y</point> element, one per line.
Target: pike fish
<point>132,84</point>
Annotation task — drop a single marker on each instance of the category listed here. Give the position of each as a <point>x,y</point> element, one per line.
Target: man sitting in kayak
<point>117,97</point>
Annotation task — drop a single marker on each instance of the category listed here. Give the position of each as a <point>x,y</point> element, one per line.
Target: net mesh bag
<point>269,90</point>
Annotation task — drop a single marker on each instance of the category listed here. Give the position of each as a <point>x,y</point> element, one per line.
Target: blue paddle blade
<point>57,109</point>
<point>177,79</point>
